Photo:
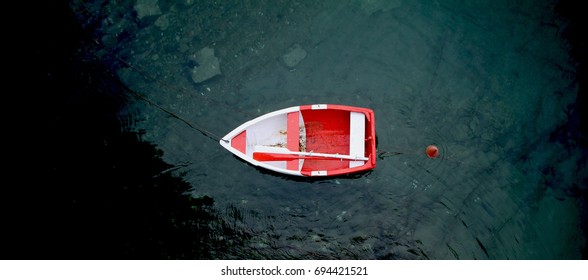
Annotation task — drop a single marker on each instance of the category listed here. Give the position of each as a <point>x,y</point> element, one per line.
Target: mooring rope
<point>191,125</point>
<point>135,94</point>
<point>382,155</point>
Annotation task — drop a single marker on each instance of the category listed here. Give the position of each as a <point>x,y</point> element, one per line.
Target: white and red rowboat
<point>308,140</point>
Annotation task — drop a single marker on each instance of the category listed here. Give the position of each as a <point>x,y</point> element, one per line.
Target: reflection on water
<point>491,86</point>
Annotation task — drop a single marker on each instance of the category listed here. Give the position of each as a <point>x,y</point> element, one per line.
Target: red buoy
<point>432,151</point>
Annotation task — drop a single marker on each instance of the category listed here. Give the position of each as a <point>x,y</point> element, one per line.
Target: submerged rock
<point>207,65</point>
<point>145,8</point>
<point>293,56</point>
<point>162,22</point>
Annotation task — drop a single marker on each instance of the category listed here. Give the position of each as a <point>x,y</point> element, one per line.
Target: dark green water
<point>495,84</point>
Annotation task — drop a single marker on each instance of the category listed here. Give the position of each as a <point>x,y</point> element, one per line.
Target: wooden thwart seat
<point>293,138</point>
<point>357,138</point>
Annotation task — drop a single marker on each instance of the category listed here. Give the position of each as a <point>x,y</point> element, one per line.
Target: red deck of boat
<point>239,142</point>
<point>327,131</point>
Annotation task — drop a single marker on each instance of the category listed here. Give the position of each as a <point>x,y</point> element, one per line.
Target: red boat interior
<point>326,135</point>
<point>330,134</point>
